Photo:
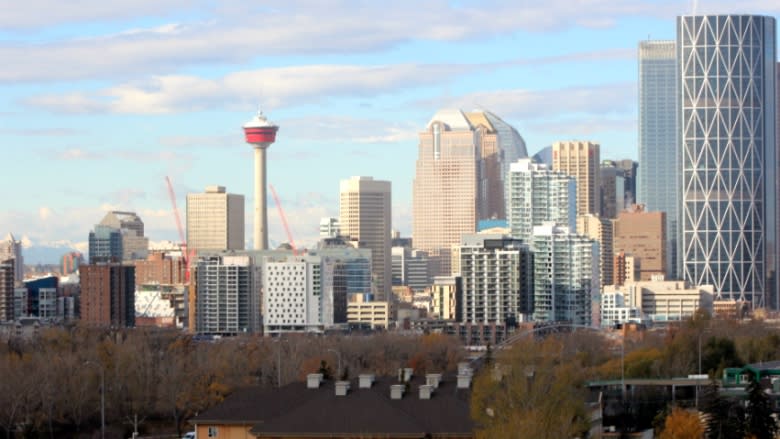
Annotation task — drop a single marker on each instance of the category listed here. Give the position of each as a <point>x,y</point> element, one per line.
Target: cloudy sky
<point>99,100</point>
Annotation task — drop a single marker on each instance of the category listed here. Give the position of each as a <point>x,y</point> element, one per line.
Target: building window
<point>213,431</point>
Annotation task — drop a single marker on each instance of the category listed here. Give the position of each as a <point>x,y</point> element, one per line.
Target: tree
<point>682,424</point>
<point>724,418</point>
<point>759,421</point>
<point>538,395</point>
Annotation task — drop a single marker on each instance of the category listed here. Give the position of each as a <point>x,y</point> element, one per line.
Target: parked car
<point>189,435</point>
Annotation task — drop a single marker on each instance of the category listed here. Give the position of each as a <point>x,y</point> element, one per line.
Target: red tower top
<point>260,132</point>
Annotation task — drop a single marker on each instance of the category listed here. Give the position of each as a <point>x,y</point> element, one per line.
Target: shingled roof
<point>297,411</point>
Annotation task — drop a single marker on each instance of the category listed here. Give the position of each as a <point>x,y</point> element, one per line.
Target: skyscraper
<point>228,295</point>
<point>6,290</point>
<point>580,160</point>
<point>12,249</point>
<point>729,163</point>
<point>365,215</point>
<point>535,195</point>
<point>459,179</point>
<point>215,220</point>
<point>134,244</point>
<point>612,189</point>
<point>658,179</point>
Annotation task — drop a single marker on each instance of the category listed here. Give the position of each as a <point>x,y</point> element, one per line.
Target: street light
<point>102,396</point>
<point>279,361</point>
<point>339,356</point>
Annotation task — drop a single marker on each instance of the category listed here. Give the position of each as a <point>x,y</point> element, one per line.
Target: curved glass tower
<point>727,113</point>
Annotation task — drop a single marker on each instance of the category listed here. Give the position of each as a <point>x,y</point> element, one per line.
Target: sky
<point>100,101</point>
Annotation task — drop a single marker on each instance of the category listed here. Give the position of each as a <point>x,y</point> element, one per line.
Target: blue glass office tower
<point>727,117</point>
<point>658,185</point>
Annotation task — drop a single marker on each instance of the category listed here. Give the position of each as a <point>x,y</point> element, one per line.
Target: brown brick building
<point>108,294</point>
<point>160,268</point>
<point>642,235</point>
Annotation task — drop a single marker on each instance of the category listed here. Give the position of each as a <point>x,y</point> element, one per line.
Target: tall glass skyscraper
<point>658,186</point>
<point>727,117</point>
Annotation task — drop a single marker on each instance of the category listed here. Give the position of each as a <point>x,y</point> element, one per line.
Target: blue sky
<point>99,101</point>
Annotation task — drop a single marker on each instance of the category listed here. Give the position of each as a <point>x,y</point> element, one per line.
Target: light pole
<point>339,357</point>
<point>102,397</point>
<point>623,366</point>
<point>279,361</point>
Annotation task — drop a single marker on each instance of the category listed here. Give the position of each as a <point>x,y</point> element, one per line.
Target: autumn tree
<point>538,394</point>
<point>682,424</point>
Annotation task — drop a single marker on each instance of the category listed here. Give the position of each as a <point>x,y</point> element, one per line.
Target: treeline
<point>50,385</point>
<point>536,389</point>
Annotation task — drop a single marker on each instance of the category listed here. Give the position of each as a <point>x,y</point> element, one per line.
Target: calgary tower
<point>260,133</point>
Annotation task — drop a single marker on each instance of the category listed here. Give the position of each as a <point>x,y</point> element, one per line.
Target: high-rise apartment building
<point>612,187</point>
<point>536,194</point>
<point>108,294</point>
<point>580,159</point>
<point>729,159</point>
<point>365,215</point>
<point>566,276</point>
<point>12,249</point>
<point>215,220</point>
<point>6,290</point>
<point>228,295</point>
<point>658,179</point>
<point>496,275</point>
<point>459,179</point>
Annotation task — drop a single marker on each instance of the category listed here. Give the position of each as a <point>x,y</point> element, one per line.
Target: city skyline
<point>101,133</point>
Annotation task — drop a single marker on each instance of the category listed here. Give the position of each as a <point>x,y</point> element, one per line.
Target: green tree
<point>759,421</point>
<point>724,418</point>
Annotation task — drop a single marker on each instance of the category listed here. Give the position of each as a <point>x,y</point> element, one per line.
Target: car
<point>189,435</point>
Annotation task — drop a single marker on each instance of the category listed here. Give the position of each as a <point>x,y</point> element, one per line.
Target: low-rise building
<point>660,300</point>
<point>377,314</point>
<point>446,294</point>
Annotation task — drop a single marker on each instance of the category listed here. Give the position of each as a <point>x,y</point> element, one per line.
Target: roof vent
<point>397,391</point>
<point>464,369</point>
<point>342,387</point>
<point>408,371</point>
<point>464,381</point>
<point>365,380</point>
<point>433,380</point>
<point>426,391</point>
<point>313,380</point>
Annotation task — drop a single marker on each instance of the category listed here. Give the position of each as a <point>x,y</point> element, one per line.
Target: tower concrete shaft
<point>261,216</point>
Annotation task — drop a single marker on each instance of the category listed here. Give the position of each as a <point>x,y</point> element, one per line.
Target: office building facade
<point>729,162</point>
<point>642,235</point>
<point>658,179</point>
<point>215,220</point>
<point>459,179</point>
<point>7,290</point>
<point>365,215</point>
<point>536,194</point>
<point>580,159</point>
<point>612,188</point>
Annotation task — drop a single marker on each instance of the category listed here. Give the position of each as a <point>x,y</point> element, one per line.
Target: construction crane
<point>284,220</point>
<point>187,253</point>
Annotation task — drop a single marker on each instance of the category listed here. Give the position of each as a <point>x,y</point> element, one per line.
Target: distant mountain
<point>45,253</point>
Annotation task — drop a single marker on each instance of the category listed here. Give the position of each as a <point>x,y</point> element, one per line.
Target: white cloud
<point>525,104</point>
<point>272,88</point>
<point>44,213</point>
<point>240,32</point>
